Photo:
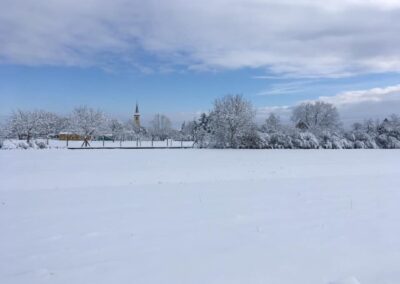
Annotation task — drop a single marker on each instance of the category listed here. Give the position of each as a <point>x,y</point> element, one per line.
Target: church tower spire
<point>136,116</point>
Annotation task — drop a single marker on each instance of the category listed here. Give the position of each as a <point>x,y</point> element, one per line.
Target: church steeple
<point>136,116</point>
<point>137,108</point>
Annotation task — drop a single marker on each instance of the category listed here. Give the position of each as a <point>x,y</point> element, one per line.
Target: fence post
<point>181,143</point>
<point>103,141</point>
<point>67,141</point>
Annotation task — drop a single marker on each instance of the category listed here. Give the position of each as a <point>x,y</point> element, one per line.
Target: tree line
<point>313,125</point>
<point>229,124</point>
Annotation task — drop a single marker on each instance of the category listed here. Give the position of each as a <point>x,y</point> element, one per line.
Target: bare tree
<point>87,122</point>
<point>232,118</point>
<point>316,116</point>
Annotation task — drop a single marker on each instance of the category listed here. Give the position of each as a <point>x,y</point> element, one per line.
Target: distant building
<point>70,136</point>
<point>136,116</point>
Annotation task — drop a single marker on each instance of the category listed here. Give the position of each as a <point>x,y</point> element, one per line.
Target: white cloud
<point>376,103</point>
<point>305,37</point>
<point>361,96</point>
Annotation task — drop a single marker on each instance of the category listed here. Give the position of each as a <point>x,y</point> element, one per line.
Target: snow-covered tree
<point>132,131</point>
<point>363,135</point>
<point>116,128</point>
<point>333,140</point>
<point>388,133</point>
<point>304,140</point>
<point>3,132</point>
<point>232,118</point>
<point>160,127</point>
<point>50,124</point>
<point>87,122</point>
<point>25,124</point>
<point>188,130</point>
<point>202,131</point>
<point>316,116</point>
<point>272,124</point>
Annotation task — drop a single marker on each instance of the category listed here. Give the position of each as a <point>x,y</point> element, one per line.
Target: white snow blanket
<point>200,216</point>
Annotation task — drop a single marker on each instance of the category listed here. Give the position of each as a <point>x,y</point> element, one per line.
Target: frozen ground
<point>200,216</point>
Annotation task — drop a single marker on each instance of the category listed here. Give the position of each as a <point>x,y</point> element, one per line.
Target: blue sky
<point>177,57</point>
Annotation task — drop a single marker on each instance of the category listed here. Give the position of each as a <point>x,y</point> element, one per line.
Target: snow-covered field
<point>200,216</point>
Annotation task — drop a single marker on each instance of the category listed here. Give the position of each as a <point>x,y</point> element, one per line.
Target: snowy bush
<point>23,145</point>
<point>343,143</point>
<point>40,145</point>
<point>328,140</point>
<point>335,142</point>
<point>310,141</point>
<point>279,141</point>
<point>359,145</point>
<point>327,145</point>
<point>304,140</point>
<point>388,142</point>
<point>251,140</point>
<point>394,143</point>
<point>363,138</point>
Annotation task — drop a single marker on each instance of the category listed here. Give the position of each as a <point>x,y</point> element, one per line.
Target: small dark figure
<point>85,142</point>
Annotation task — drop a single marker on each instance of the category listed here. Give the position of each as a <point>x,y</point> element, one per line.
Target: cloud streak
<point>286,88</point>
